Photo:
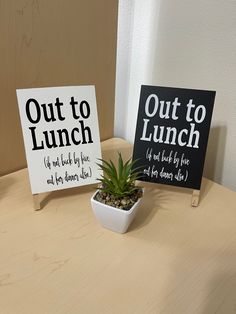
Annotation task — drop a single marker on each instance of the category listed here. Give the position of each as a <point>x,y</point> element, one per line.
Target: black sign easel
<point>172,134</point>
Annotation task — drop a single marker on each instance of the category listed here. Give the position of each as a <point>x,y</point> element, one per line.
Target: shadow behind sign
<point>172,133</point>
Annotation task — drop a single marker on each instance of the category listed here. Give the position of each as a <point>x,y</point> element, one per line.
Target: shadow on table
<point>205,189</point>
<point>157,195</point>
<point>147,210</point>
<point>46,198</point>
<point>154,199</point>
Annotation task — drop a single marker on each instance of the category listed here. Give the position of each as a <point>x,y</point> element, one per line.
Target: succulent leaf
<point>119,181</point>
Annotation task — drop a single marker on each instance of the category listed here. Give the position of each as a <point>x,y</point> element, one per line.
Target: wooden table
<point>174,259</point>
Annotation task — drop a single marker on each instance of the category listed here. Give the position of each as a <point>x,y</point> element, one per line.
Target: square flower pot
<point>112,218</point>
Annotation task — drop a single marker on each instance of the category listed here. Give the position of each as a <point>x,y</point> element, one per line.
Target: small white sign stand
<point>36,201</point>
<point>61,137</point>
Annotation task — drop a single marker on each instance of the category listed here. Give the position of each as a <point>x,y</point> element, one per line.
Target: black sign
<point>172,133</point>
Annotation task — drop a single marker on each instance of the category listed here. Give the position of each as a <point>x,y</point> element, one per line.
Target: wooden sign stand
<point>164,115</point>
<point>36,201</point>
<point>56,169</point>
<point>195,198</point>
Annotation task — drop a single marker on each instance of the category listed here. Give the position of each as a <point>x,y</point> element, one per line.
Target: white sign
<point>61,136</point>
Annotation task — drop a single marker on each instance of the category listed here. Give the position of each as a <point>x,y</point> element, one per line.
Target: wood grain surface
<point>175,259</point>
<point>54,43</point>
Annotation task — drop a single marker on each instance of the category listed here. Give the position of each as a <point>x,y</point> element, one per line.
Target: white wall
<point>181,43</point>
<point>137,24</point>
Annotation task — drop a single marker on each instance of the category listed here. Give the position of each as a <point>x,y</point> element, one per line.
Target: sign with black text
<point>172,134</point>
<point>61,136</point>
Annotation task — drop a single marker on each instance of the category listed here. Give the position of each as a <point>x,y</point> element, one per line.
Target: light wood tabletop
<point>174,259</point>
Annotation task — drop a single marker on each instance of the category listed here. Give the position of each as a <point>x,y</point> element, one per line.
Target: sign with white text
<point>172,134</point>
<point>61,136</point>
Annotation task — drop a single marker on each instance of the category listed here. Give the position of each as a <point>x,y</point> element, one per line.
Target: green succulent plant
<point>119,182</point>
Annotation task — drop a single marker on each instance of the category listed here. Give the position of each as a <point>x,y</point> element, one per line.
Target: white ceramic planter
<point>112,218</point>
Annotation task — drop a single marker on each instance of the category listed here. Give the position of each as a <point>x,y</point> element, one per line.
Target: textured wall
<point>54,43</point>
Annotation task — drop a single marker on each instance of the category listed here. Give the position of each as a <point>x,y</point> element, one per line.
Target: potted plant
<point>117,199</point>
